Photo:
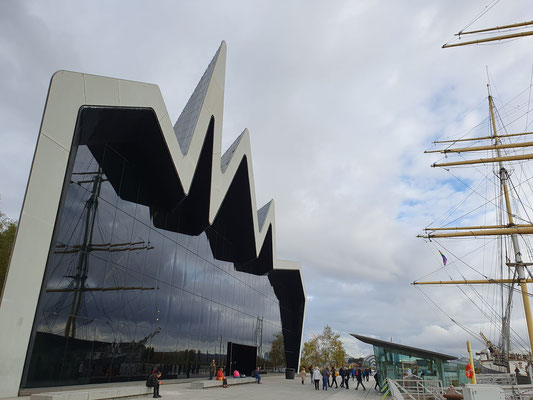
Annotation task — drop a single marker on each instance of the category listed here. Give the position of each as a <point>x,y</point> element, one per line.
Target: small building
<point>397,361</point>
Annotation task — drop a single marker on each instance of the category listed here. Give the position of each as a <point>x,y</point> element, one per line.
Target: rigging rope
<point>470,332</point>
<point>481,14</point>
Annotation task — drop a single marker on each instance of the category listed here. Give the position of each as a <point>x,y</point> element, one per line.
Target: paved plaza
<point>273,387</point>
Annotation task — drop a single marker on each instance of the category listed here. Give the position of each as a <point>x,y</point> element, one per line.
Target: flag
<point>444,259</point>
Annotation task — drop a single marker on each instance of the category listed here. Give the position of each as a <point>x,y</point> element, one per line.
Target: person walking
<point>346,377</point>
<point>302,374</point>
<point>325,378</point>
<point>311,370</point>
<point>341,373</point>
<point>367,374</point>
<point>212,369</point>
<point>334,374</point>
<point>377,386</point>
<point>316,378</point>
<point>352,372</point>
<point>359,376</point>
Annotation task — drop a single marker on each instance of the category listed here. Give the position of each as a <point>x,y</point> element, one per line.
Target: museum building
<point>140,245</point>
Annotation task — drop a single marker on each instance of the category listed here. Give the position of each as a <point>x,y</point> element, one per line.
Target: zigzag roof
<point>185,143</point>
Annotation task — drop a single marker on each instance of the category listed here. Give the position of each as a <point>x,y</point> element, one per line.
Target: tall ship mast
<point>510,226</point>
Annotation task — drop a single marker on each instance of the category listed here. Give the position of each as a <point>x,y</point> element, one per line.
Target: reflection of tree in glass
<point>277,351</point>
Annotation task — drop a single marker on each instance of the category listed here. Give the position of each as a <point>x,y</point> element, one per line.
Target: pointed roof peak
<point>186,123</point>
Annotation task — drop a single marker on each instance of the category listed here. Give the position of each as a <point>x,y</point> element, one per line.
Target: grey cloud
<point>341,99</point>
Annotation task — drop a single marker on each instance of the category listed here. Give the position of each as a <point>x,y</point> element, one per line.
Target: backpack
<point>150,382</point>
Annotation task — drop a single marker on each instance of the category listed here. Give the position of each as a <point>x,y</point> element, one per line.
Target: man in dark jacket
<point>376,377</point>
<point>341,373</point>
<point>359,377</point>
<point>346,377</point>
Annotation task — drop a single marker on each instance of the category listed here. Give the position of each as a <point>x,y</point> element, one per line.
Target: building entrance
<point>241,358</point>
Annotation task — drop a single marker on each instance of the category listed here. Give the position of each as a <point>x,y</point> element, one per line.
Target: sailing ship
<point>504,150</point>
<point>504,158</point>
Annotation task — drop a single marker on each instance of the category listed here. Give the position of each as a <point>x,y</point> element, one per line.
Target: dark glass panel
<point>112,162</point>
<point>48,351</point>
<point>84,161</point>
<point>146,306</point>
<point>196,314</point>
<point>101,226</point>
<point>121,240</point>
<point>180,265</point>
<point>167,261</point>
<point>129,186</point>
<point>78,352</point>
<point>161,315</point>
<point>142,214</point>
<point>153,255</point>
<point>216,289</point>
<point>190,272</point>
<point>137,256</point>
<point>203,247</point>
<point>182,239</point>
<point>199,279</point>
<point>185,317</point>
<point>73,218</point>
<point>192,243</point>
<point>208,280</point>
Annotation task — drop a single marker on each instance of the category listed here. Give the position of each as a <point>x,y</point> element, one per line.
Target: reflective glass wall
<point>121,297</point>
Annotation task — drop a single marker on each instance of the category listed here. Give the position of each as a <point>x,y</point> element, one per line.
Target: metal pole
<point>471,361</point>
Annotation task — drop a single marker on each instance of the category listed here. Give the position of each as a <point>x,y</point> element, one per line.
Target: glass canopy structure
<point>397,361</point>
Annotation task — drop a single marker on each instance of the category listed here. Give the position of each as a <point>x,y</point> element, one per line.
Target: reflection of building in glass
<point>153,253</point>
<point>397,361</point>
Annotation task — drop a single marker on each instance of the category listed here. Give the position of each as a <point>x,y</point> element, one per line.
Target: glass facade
<point>121,296</point>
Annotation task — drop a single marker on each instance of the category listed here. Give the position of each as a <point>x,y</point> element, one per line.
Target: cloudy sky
<point>341,99</point>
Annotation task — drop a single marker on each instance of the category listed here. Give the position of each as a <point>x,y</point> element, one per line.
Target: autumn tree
<point>8,229</point>
<point>277,351</point>
<point>323,349</point>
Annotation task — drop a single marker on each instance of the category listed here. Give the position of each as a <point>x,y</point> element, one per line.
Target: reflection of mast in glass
<point>79,280</point>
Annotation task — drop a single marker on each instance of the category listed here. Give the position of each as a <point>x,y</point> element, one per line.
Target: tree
<point>323,349</point>
<point>8,229</point>
<point>277,351</point>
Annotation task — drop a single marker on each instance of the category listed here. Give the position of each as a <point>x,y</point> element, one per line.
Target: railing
<point>496,379</point>
<point>415,389</point>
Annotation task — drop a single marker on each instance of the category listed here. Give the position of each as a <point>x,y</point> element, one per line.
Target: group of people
<point>344,373</point>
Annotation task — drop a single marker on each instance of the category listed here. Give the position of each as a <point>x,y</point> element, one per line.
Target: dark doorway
<point>241,358</point>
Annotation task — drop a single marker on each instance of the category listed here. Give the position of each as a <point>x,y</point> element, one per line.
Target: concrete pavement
<point>273,387</point>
